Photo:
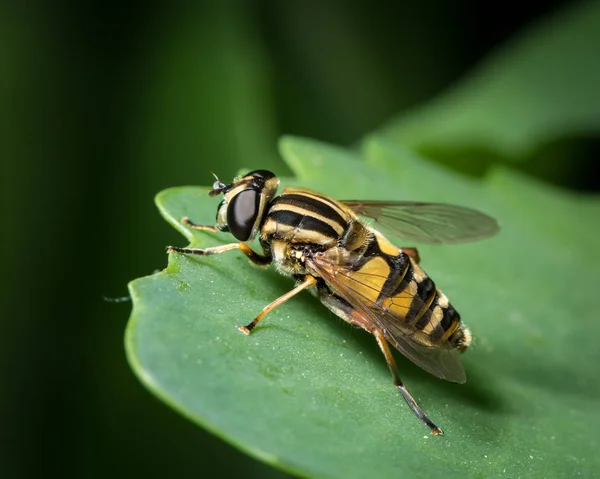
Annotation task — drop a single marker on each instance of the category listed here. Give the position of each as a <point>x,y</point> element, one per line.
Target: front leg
<point>255,258</point>
<point>188,222</point>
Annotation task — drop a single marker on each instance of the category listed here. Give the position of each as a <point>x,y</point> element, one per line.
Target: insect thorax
<point>300,222</point>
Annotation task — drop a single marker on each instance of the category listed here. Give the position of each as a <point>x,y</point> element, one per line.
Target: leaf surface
<point>309,394</point>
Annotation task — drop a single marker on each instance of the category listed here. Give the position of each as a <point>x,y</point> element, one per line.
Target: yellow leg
<point>307,283</point>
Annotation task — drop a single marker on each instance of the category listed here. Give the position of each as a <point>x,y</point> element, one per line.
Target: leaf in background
<point>208,94</point>
<point>308,394</point>
<point>541,86</point>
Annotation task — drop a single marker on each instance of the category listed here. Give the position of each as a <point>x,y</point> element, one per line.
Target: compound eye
<point>242,212</point>
<point>262,174</point>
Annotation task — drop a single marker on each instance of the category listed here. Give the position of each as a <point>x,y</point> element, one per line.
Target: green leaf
<point>541,86</point>
<point>308,394</point>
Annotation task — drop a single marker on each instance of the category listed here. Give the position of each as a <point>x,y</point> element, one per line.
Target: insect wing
<point>427,222</point>
<point>440,360</point>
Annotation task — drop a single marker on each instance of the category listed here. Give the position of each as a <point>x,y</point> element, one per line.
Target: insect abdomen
<point>411,295</point>
<point>431,312</point>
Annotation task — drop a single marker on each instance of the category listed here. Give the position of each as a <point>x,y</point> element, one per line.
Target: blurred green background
<point>102,105</point>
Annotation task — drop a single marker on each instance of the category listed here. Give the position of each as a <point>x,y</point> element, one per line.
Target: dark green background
<point>103,104</point>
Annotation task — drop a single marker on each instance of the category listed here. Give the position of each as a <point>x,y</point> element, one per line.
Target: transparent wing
<point>441,360</point>
<point>426,222</point>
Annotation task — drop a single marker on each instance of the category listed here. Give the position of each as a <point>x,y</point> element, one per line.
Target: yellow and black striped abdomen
<point>429,310</point>
<point>410,295</point>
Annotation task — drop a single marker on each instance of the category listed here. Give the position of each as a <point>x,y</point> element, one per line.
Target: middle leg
<point>306,283</point>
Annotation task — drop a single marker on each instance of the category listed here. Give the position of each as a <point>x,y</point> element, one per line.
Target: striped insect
<point>352,268</point>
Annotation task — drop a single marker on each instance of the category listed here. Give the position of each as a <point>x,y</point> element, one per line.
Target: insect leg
<point>306,283</point>
<point>188,222</point>
<point>413,253</point>
<point>400,385</point>
<point>252,256</point>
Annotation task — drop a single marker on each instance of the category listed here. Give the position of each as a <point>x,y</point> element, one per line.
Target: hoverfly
<point>352,268</point>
